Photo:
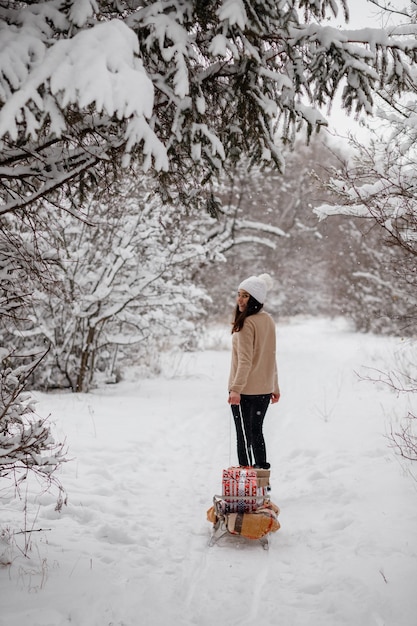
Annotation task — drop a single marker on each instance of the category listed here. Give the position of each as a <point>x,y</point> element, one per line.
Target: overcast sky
<point>364,13</point>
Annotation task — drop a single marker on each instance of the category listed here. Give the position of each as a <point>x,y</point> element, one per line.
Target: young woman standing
<point>253,380</point>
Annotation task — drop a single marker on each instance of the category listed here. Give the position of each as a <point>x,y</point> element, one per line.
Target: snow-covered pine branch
<point>182,87</point>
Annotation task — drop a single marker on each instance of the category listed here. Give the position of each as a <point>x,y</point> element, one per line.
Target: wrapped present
<point>254,525</point>
<point>263,476</point>
<point>239,489</point>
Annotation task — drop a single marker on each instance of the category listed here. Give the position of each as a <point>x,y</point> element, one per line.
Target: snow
<point>113,80</point>
<point>116,83</point>
<point>219,46</point>
<point>325,210</point>
<point>131,546</point>
<point>81,10</point>
<point>234,12</point>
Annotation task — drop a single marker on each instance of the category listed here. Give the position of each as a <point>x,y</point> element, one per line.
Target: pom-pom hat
<point>257,286</point>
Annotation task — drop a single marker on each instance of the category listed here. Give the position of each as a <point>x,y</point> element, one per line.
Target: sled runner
<point>244,509</point>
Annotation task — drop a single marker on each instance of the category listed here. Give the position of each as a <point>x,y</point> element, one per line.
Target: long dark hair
<point>252,307</point>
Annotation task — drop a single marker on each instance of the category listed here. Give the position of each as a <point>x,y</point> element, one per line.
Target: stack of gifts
<point>243,487</point>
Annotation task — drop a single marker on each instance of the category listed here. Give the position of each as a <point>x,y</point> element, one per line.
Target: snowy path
<point>130,549</point>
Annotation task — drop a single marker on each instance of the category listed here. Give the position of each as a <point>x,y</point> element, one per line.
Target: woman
<point>253,380</point>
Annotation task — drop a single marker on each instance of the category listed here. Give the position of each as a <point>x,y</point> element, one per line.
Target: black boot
<point>262,466</point>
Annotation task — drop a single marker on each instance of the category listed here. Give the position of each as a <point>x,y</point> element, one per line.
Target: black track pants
<point>249,418</point>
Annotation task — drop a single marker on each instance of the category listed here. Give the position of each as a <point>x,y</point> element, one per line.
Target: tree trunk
<point>84,359</point>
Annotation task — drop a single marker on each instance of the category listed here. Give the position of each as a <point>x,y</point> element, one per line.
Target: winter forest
<point>153,154</point>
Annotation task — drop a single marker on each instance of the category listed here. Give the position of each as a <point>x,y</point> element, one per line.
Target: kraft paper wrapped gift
<point>263,476</point>
<point>253,525</point>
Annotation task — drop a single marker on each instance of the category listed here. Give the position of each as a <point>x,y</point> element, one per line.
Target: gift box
<point>239,489</point>
<point>254,525</point>
<point>263,476</point>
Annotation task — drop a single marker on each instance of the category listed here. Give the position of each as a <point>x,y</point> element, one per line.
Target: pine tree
<point>183,86</point>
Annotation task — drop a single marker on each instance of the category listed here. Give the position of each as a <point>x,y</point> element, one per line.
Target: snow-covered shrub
<point>26,440</point>
<point>403,381</point>
<point>120,286</point>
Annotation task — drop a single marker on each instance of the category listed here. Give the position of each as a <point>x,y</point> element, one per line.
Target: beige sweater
<point>253,369</point>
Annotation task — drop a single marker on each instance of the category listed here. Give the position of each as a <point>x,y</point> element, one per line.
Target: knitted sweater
<point>253,369</point>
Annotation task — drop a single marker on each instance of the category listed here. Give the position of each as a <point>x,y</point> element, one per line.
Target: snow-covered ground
<point>131,546</point>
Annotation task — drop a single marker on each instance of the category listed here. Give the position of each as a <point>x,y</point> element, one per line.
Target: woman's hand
<point>275,397</point>
<point>234,398</point>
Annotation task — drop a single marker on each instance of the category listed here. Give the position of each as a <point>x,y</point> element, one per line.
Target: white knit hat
<point>257,286</point>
